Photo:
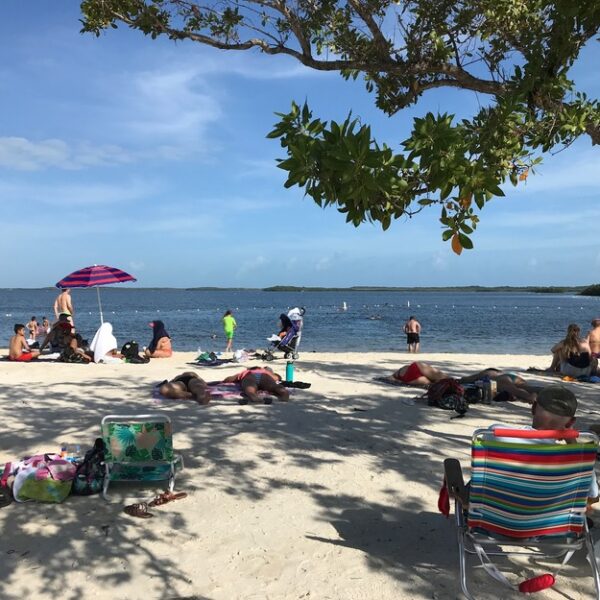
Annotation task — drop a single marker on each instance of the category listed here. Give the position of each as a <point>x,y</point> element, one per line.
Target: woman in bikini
<point>511,383</point>
<point>418,373</point>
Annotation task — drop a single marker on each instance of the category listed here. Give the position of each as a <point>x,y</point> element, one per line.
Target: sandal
<point>138,510</point>
<point>167,497</point>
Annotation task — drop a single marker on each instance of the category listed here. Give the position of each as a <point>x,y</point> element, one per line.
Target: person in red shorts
<point>418,373</point>
<point>18,349</point>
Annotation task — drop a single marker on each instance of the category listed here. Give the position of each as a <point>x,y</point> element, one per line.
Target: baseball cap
<point>558,400</point>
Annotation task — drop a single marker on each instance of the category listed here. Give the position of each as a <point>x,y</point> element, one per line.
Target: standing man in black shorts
<point>412,329</point>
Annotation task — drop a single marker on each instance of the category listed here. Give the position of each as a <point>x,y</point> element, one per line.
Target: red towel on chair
<point>444,500</point>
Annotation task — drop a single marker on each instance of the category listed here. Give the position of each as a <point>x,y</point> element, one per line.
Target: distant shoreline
<point>357,288</point>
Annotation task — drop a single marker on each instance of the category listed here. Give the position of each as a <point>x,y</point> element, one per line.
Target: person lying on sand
<point>511,383</point>
<point>418,373</point>
<point>185,386</point>
<point>258,378</point>
<point>18,349</point>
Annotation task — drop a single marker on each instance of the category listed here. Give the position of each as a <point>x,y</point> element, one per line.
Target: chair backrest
<point>137,438</point>
<point>524,488</point>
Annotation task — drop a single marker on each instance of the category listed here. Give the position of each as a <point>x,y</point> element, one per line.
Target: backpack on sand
<point>447,394</point>
<point>89,475</point>
<point>131,353</point>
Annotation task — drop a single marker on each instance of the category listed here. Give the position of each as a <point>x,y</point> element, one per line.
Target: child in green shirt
<point>229,326</point>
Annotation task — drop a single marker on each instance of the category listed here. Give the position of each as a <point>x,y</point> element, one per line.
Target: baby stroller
<point>288,339</point>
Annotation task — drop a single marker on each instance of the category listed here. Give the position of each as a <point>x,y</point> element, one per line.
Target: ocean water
<point>481,322</point>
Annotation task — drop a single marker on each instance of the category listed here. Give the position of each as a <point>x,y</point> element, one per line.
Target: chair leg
<point>106,481</point>
<point>591,556</point>
<point>462,565</point>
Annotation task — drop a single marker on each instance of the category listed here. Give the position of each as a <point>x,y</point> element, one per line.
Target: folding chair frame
<point>176,462</point>
<point>484,545</point>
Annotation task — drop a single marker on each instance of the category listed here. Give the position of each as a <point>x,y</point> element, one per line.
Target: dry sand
<point>330,496</point>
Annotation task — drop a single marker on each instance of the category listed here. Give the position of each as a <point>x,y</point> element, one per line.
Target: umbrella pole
<point>100,305</point>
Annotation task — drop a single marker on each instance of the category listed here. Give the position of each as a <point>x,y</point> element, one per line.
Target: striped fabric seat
<point>524,490</point>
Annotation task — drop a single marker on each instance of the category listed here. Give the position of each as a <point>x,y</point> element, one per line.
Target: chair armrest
<point>455,481</point>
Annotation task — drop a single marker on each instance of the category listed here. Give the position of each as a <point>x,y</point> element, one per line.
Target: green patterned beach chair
<point>139,448</point>
<point>528,495</point>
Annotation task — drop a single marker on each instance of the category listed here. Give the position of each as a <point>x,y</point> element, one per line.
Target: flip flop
<point>167,497</point>
<point>138,510</point>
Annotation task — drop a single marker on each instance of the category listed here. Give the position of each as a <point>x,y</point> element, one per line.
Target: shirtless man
<point>412,329</point>
<point>18,348</point>
<point>593,338</point>
<point>63,304</point>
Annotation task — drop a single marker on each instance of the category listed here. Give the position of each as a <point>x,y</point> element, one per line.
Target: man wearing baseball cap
<point>554,408</point>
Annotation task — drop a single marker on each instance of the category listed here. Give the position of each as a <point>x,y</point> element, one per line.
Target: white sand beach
<point>332,496</point>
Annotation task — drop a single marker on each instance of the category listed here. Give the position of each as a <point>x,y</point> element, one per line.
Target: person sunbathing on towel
<point>18,349</point>
<point>185,386</point>
<point>511,383</point>
<point>258,378</point>
<point>418,373</point>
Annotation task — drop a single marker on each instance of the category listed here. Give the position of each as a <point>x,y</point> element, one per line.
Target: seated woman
<point>104,345</point>
<point>511,383</point>
<point>73,353</point>
<point>573,355</point>
<point>59,335</point>
<point>418,373</point>
<point>160,346</point>
<point>258,378</point>
<point>185,386</point>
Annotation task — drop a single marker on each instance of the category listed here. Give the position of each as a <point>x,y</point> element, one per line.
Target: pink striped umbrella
<point>95,276</point>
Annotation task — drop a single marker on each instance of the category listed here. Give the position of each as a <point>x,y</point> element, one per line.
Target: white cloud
<point>324,263</point>
<point>78,194</point>
<point>169,105</point>
<point>22,154</point>
<point>254,265</point>
<point>573,170</point>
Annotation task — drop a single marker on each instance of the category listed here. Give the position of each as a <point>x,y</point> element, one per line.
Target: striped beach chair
<point>528,495</point>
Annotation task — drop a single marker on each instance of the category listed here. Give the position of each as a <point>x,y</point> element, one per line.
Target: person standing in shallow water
<point>412,329</point>
<point>229,327</point>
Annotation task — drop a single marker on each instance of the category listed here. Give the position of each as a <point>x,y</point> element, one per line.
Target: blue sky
<point>151,156</point>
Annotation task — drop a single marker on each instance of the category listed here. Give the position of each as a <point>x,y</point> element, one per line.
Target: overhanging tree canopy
<point>515,53</point>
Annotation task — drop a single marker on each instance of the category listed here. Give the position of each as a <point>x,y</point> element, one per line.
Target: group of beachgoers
<point>574,357</point>
<point>64,340</point>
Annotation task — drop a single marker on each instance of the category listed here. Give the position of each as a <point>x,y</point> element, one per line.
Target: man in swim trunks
<point>185,386</point>
<point>593,338</point>
<point>511,383</point>
<point>63,304</point>
<point>418,373</point>
<point>412,329</point>
<point>258,379</point>
<point>18,349</point>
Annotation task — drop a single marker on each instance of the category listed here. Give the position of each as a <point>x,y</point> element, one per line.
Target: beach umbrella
<point>95,276</point>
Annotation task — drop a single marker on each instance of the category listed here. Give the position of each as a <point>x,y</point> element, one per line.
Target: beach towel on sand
<point>396,383</point>
<point>217,389</point>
